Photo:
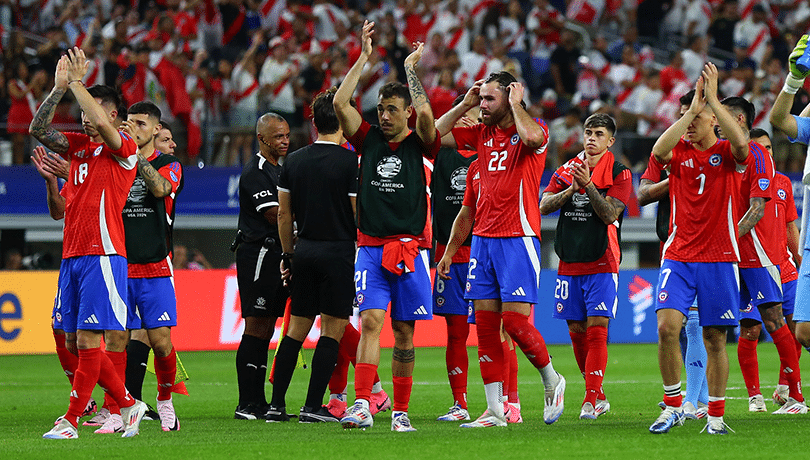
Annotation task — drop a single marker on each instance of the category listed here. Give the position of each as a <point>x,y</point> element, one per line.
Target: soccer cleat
<point>455,413</point>
<point>588,412</point>
<point>247,412</point>
<point>321,414</point>
<point>689,411</point>
<point>602,407</point>
<point>702,411</point>
<point>91,408</point>
<point>168,419</point>
<point>276,414</point>
<point>63,430</point>
<point>401,423</point>
<point>114,424</point>
<point>756,403</point>
<point>380,402</point>
<point>513,414</point>
<point>98,420</point>
<point>151,414</point>
<point>669,417</point>
<point>337,407</point>
<point>780,395</point>
<point>555,402</point>
<point>487,419</point>
<point>132,417</point>
<point>791,406</point>
<point>716,425</point>
<point>357,417</point>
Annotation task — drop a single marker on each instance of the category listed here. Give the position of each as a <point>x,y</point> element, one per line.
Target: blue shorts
<point>448,295</point>
<point>578,297</point>
<point>504,268</point>
<point>152,303</point>
<point>801,310</point>
<point>788,297</point>
<point>91,294</point>
<point>409,293</point>
<point>716,286</point>
<point>760,286</point>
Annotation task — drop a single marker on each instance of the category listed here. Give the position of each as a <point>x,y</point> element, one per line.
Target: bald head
<point>273,134</point>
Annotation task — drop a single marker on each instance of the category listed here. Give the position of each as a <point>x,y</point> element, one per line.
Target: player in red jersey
<point>760,255</point>
<point>700,255</point>
<point>591,191</point>
<point>788,240</point>
<point>94,253</point>
<point>504,271</point>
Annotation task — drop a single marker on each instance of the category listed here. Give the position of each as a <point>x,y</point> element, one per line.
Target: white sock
<point>494,393</point>
<point>550,376</point>
<point>377,387</point>
<point>338,396</point>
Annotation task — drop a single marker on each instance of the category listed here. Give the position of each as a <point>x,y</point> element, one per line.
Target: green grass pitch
<point>33,392</point>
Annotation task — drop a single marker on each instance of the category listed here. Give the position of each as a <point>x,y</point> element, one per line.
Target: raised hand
<point>77,64</point>
<point>798,51</point>
<point>55,164</point>
<point>710,77</point>
<point>515,93</point>
<point>472,97</point>
<point>368,31</point>
<point>699,101</point>
<point>416,55</point>
<point>61,78</point>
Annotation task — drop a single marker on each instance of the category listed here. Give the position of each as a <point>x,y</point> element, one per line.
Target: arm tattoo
<point>157,184</point>
<point>40,126</point>
<point>404,356</point>
<point>755,212</point>
<point>418,94</point>
<point>554,202</point>
<point>608,209</point>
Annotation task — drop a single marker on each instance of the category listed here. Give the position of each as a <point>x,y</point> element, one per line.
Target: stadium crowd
<point>213,65</point>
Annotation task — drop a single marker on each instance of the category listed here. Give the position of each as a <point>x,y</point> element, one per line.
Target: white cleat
<point>454,414</point>
<point>791,407</point>
<point>401,423</point>
<point>487,419</point>
<point>555,402</point>
<point>132,417</point>
<point>63,430</point>
<point>114,424</point>
<point>588,412</point>
<point>98,420</point>
<point>756,403</point>
<point>602,407</point>
<point>780,395</point>
<point>168,419</point>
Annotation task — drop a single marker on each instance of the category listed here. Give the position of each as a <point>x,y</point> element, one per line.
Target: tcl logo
<point>262,194</point>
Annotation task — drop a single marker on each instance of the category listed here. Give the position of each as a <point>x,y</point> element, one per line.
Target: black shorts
<point>323,278</point>
<point>260,288</point>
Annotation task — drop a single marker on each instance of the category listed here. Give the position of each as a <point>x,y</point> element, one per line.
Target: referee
<point>317,189</point>
<point>258,254</point>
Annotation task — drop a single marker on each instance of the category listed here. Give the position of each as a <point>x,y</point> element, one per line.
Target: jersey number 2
<point>498,157</point>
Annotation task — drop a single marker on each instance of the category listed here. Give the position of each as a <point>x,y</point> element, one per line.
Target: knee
<point>714,339</point>
<point>372,325</point>
<point>669,331</point>
<point>750,332</point>
<point>403,334</point>
<point>803,334</point>
<point>116,341</point>
<point>512,322</point>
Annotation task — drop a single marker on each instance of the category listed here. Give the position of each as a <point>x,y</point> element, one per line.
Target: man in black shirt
<point>258,255</point>
<point>317,188</point>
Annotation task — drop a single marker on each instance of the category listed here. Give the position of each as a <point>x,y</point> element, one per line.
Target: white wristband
<point>792,84</point>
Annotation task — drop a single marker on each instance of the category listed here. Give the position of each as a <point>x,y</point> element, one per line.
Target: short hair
<point>504,79</point>
<point>395,89</point>
<point>743,106</point>
<point>323,112</point>
<point>107,94</point>
<point>166,127</point>
<point>758,132</point>
<point>686,99</point>
<point>265,120</point>
<point>145,108</point>
<point>601,120</point>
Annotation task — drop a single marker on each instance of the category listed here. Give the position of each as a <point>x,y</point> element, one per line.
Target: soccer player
<point>504,271</point>
<point>148,222</point>
<point>761,250</point>
<point>317,190</point>
<point>788,236</point>
<point>591,191</point>
<point>258,257</point>
<point>448,184</point>
<point>699,261</point>
<point>94,253</point>
<point>394,233</point>
<point>797,129</point>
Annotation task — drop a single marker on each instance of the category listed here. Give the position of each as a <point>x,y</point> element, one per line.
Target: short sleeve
<point>467,137</point>
<point>760,171</point>
<point>471,192</point>
<point>653,171</point>
<point>803,127</point>
<point>172,172</point>
<point>790,204</point>
<point>622,188</point>
<point>262,191</point>
<point>283,177</point>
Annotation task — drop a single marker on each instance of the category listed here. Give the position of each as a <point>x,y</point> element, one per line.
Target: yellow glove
<point>800,72</point>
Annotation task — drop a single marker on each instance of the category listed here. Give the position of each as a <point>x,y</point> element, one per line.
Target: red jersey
<point>702,192</point>
<point>173,173</point>
<point>508,203</point>
<point>621,189</point>
<point>786,213</point>
<point>759,247</point>
<point>99,182</point>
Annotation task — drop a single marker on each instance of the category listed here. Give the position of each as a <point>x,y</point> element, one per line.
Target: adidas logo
<point>760,296</point>
<point>697,364</point>
<point>727,315</point>
<point>788,370</point>
<point>598,373</point>
<point>421,311</point>
<point>485,359</point>
<point>688,163</point>
<point>456,371</point>
<point>165,317</point>
<point>488,143</point>
<point>519,291</point>
<point>601,307</point>
<point>73,394</point>
<point>91,320</point>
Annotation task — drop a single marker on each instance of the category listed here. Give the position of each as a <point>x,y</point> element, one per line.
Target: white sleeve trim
<point>266,205</point>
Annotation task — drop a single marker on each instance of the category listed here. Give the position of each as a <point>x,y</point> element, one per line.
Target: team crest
<point>715,159</point>
<point>59,316</point>
<point>440,301</point>
<point>468,287</point>
<point>360,299</point>
<point>98,150</point>
<point>389,167</point>
<point>559,307</point>
<point>748,308</point>
<point>458,180</point>
<point>781,194</point>
<point>763,184</point>
<point>514,139</point>
<point>663,296</point>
